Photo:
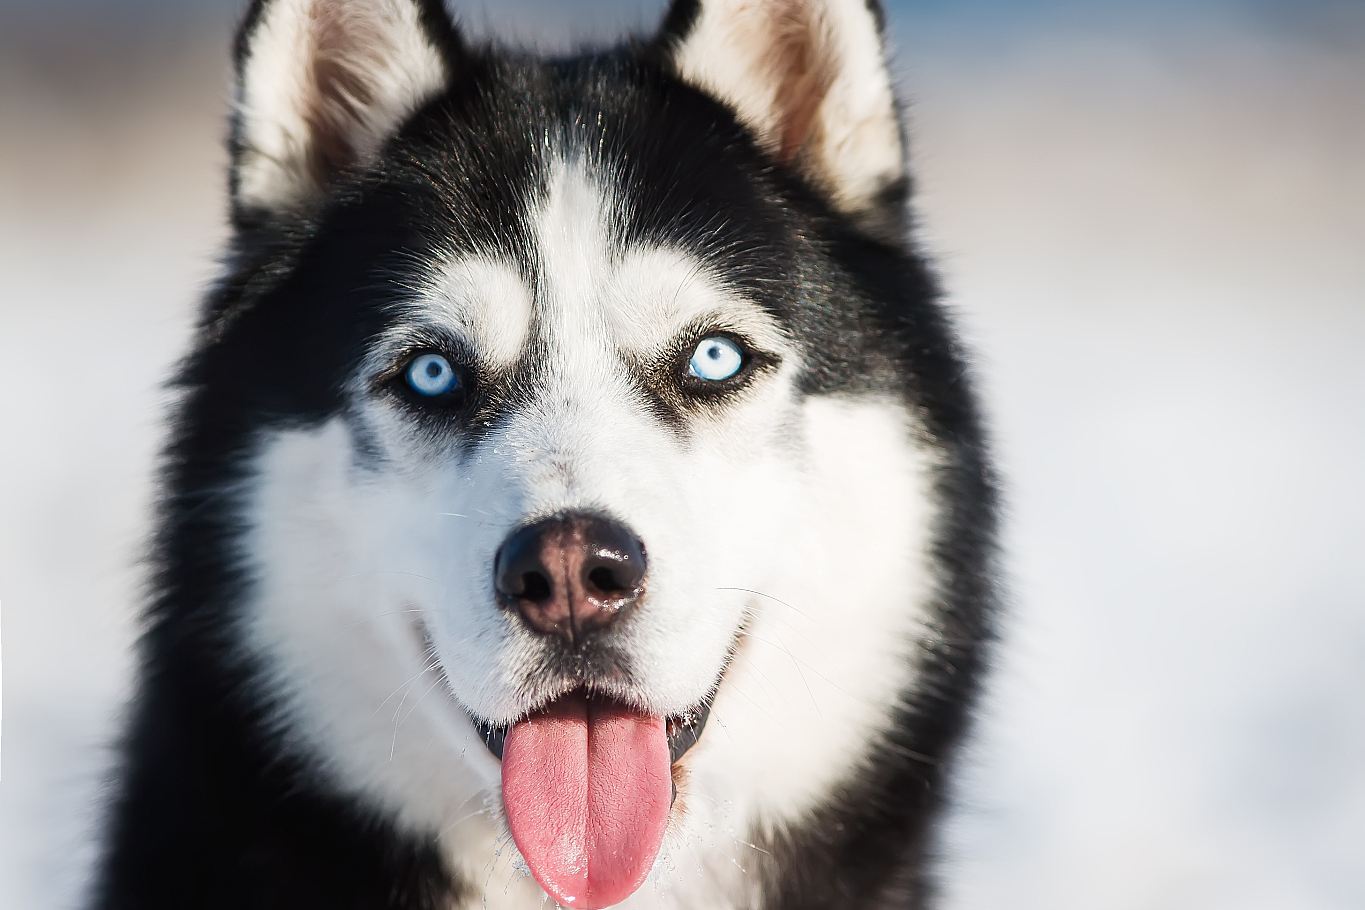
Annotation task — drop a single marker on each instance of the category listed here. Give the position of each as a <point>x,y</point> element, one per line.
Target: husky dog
<point>575,497</point>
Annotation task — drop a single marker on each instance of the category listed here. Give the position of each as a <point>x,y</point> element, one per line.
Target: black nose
<point>570,575</point>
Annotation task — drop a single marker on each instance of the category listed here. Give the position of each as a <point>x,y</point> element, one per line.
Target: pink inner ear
<point>322,85</point>
<point>810,77</point>
<point>800,60</point>
<point>339,91</point>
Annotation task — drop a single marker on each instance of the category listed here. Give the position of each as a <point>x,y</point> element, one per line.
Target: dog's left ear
<point>321,84</point>
<point>809,79</point>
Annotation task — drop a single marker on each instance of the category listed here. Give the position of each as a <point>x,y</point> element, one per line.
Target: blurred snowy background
<point>1151,219</point>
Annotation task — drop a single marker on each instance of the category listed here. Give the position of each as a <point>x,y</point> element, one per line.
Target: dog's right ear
<point>321,85</point>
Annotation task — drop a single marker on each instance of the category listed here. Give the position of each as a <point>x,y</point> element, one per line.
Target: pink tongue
<point>587,787</point>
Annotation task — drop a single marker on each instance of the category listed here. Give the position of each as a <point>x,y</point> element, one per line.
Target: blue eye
<point>432,375</point>
<point>715,359</point>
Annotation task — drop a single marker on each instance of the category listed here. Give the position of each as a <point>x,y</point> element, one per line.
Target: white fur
<point>823,556</point>
<point>482,301</point>
<point>280,103</point>
<point>734,52</point>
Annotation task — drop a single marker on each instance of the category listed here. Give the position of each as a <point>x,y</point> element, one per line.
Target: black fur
<point>213,809</point>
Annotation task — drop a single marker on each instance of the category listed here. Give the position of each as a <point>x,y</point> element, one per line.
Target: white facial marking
<point>481,301</point>
<point>657,293</point>
<point>373,603</point>
<point>825,655</point>
<point>588,441</point>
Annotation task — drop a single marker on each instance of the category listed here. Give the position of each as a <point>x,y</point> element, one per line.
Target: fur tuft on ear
<point>321,84</point>
<point>809,78</point>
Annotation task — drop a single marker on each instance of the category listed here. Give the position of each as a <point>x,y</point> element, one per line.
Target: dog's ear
<point>321,84</point>
<point>809,79</point>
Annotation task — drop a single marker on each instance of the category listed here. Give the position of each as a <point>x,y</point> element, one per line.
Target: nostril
<point>615,569</point>
<point>605,580</point>
<point>519,572</point>
<point>536,587</point>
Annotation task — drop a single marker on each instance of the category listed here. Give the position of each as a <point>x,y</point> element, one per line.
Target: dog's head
<point>570,390</point>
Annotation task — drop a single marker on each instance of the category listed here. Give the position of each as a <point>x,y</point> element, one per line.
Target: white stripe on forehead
<point>487,303</point>
<point>592,295</point>
<point>573,244</point>
<point>636,298</point>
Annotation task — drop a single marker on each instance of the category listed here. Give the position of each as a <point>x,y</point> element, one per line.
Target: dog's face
<point>595,384</point>
<point>553,384</point>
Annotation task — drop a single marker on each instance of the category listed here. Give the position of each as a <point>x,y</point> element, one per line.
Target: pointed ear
<point>809,78</point>
<point>321,84</point>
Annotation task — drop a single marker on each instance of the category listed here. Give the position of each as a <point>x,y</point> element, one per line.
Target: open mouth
<point>587,783</point>
<point>683,730</point>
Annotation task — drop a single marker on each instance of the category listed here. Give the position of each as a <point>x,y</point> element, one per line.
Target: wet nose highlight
<point>570,575</point>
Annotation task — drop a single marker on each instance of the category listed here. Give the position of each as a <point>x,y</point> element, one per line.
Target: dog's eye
<point>432,376</point>
<point>715,359</point>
